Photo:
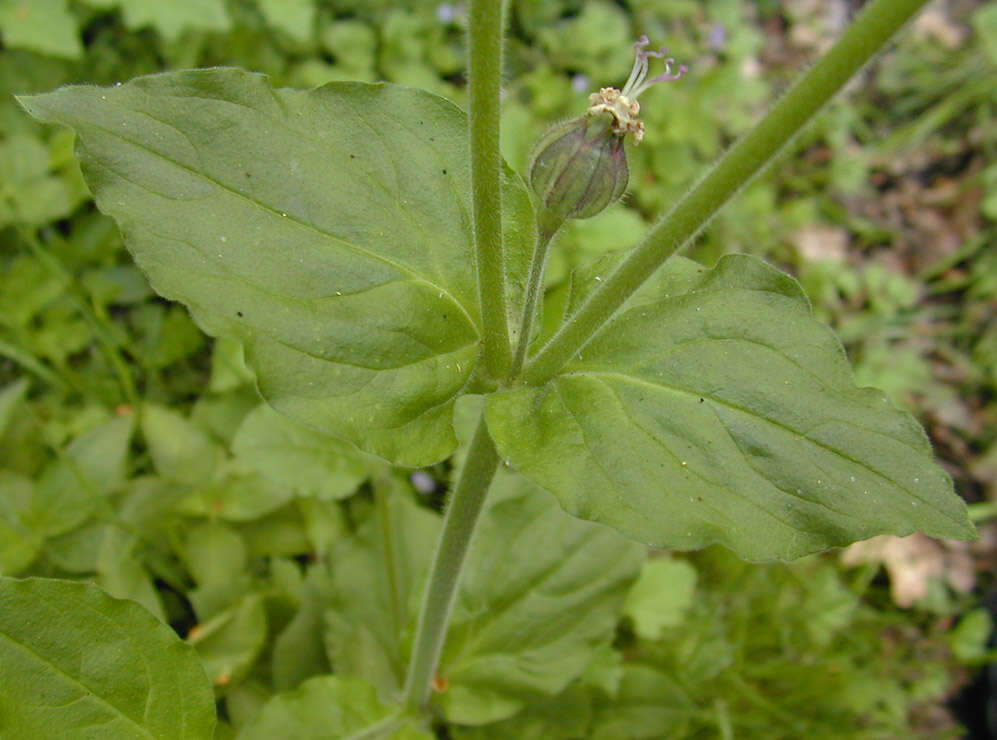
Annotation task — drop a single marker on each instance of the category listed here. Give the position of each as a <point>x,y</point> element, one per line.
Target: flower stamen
<point>622,104</point>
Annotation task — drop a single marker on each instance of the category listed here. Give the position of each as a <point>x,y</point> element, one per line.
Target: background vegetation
<point>133,452</point>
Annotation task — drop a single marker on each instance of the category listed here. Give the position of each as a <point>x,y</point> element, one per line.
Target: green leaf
<point>45,26</point>
<point>325,708</point>
<point>970,637</point>
<point>228,366</point>
<point>376,587</point>
<point>229,643</point>
<point>984,22</point>
<point>181,450</point>
<point>222,414</point>
<point>244,701</point>
<point>10,398</point>
<point>295,657</point>
<point>563,717</point>
<point>650,706</point>
<point>724,412</point>
<point>236,493</point>
<point>123,576</point>
<point>216,558</point>
<point>528,623</point>
<point>27,288</point>
<point>605,670</point>
<point>38,186</point>
<point>295,17</point>
<point>660,597</point>
<point>73,659</point>
<point>354,45</point>
<point>312,463</point>
<point>19,541</point>
<point>172,18</point>
<point>328,229</point>
<point>86,473</point>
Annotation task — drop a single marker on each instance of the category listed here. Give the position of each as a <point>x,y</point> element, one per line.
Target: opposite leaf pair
<point>329,230</point>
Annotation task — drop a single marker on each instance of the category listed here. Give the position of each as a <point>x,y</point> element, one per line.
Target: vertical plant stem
<point>468,497</point>
<point>485,69</point>
<point>873,27</point>
<point>451,551</point>
<point>534,288</point>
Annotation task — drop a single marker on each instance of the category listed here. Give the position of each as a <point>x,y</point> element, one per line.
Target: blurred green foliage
<point>133,452</point>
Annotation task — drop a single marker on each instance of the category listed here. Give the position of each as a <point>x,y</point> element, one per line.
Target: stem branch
<point>873,27</point>
<point>534,288</point>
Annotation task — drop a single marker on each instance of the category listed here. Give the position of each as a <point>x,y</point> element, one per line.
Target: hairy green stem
<point>877,22</point>
<point>485,69</point>
<point>463,510</point>
<point>468,497</point>
<point>534,288</point>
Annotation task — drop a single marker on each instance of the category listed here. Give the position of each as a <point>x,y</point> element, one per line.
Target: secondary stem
<point>533,291</point>
<point>463,509</point>
<point>879,20</point>
<point>485,68</point>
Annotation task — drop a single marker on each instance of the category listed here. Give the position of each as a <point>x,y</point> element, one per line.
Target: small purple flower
<point>718,36</point>
<point>446,12</point>
<point>423,482</point>
<point>580,83</point>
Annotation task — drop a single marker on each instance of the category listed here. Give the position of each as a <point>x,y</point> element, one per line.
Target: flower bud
<point>579,168</point>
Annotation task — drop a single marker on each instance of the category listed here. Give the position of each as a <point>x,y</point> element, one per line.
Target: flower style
<point>622,104</point>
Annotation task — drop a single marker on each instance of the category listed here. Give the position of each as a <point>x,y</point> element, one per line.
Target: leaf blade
<point>527,624</point>
<point>327,229</point>
<point>74,657</point>
<point>726,414</point>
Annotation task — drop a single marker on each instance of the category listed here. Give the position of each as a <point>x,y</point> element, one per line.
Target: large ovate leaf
<point>528,621</point>
<point>76,663</point>
<point>715,409</point>
<point>327,229</point>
